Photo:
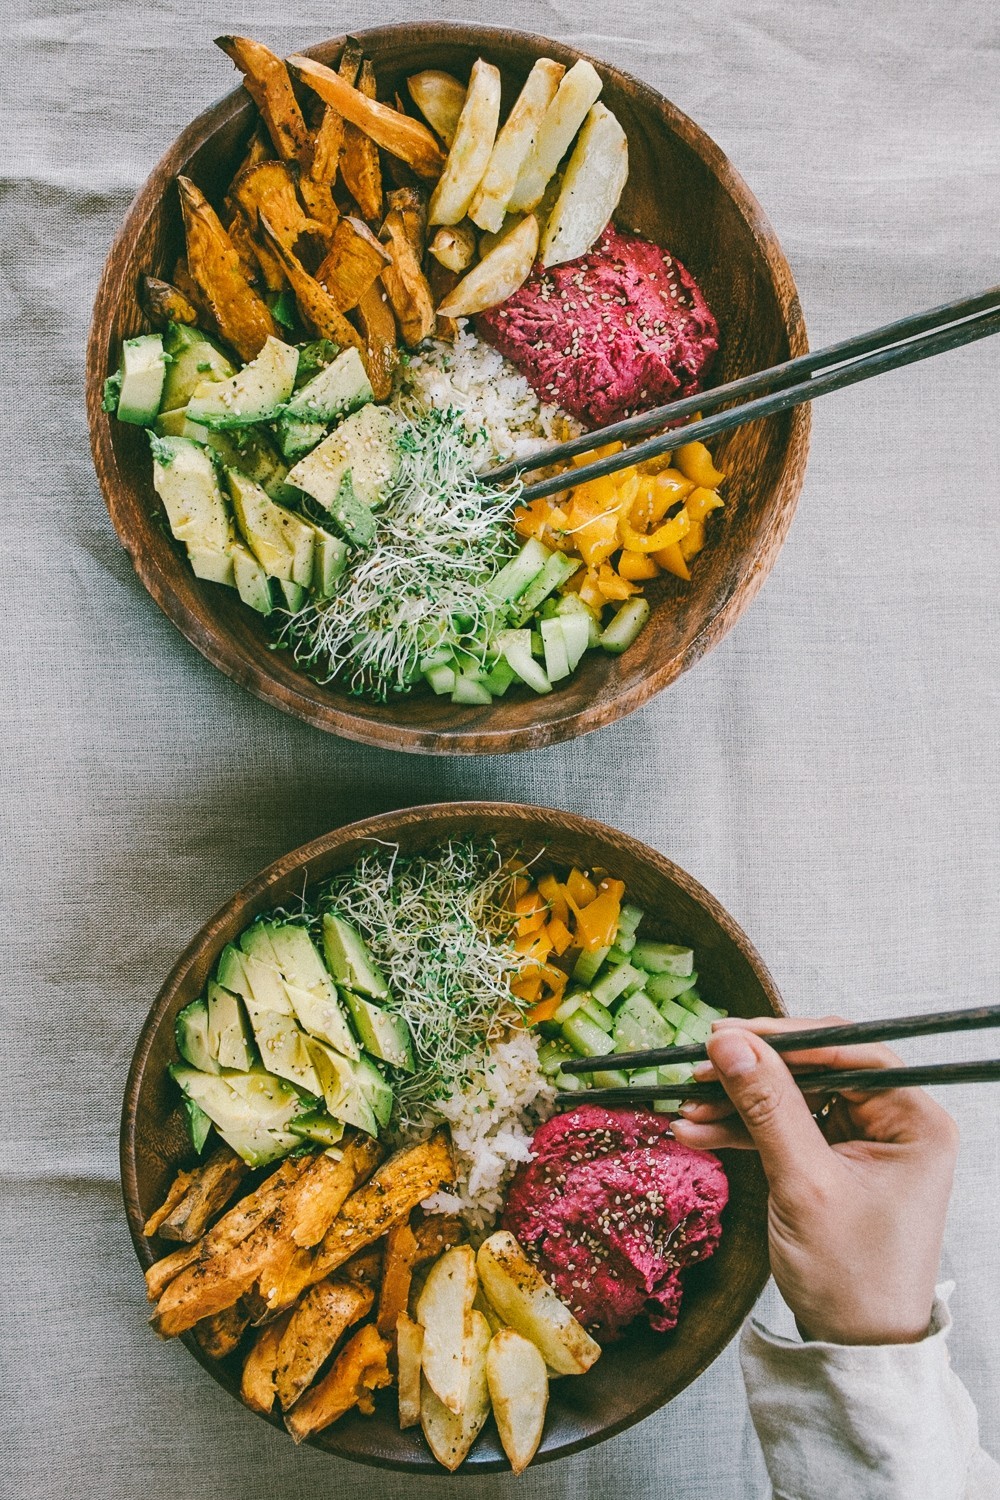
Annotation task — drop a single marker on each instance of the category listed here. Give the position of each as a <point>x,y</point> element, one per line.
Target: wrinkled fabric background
<point>830,772</point>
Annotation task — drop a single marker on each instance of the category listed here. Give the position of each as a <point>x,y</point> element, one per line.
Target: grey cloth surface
<point>830,771</point>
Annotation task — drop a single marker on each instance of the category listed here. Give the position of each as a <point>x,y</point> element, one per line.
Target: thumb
<point>771,1106</point>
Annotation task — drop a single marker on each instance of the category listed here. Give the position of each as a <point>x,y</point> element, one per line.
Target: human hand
<point>856,1215</point>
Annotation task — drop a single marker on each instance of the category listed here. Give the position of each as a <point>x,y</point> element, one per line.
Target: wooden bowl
<point>645,1370</point>
<point>682,192</point>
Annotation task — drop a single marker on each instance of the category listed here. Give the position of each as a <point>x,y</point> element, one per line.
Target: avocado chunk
<point>184,478</point>
<point>251,1111</point>
<point>255,394</point>
<point>384,1035</point>
<point>318,1127</point>
<point>309,987</point>
<point>345,1098</point>
<point>134,392</point>
<point>364,446</point>
<point>192,360</point>
<point>243,448</point>
<point>198,1123</point>
<point>230,973</point>
<point>290,596</point>
<point>297,437</point>
<point>282,1047</point>
<point>211,565</point>
<point>282,542</point>
<point>251,580</point>
<point>191,1036</point>
<point>348,959</point>
<point>229,1035</point>
<point>329,562</point>
<point>264,981</point>
<point>375,1087</point>
<point>339,388</point>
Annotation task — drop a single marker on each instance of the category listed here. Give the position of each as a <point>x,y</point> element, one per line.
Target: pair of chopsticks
<point>767,392</point>
<point>864,1080</point>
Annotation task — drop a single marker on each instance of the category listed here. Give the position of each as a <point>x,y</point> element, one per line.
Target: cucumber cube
<point>629,919</point>
<point>598,1013</point>
<point>626,625</point>
<point>515,646</point>
<point>660,987</point>
<point>512,580</point>
<point>588,964</point>
<point>576,637</point>
<point>615,982</point>
<point>663,958</point>
<point>585,1036</point>
<point>554,645</point>
<point>569,1006</point>
<point>440,679</point>
<point>471,691</point>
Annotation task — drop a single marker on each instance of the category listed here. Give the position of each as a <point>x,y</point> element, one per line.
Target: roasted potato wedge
<point>524,1299</point>
<point>470,151</point>
<point>359,1369</point>
<point>498,275</point>
<point>519,1393</point>
<point>266,79</point>
<point>513,144</point>
<point>396,133</point>
<point>359,164</point>
<point>577,91</point>
<point>443,1311</point>
<point>439,98</point>
<point>405,283</point>
<point>326,1311</point>
<point>454,246</point>
<point>163,304</point>
<point>591,187</point>
<point>242,317</point>
<point>317,308</point>
<point>353,262</point>
<point>211,1187</point>
<point>220,1335</point>
<point>483,1304</point>
<point>378,329</point>
<point>409,1353</point>
<point>257,1387</point>
<point>450,1434</point>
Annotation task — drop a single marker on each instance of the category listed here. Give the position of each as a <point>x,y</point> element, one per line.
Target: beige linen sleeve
<point>876,1423</point>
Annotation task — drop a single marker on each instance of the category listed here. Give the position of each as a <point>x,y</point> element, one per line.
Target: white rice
<point>492,1121</point>
<point>476,380</point>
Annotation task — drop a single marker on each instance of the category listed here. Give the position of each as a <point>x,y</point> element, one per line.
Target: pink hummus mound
<point>623,328</point>
<point>612,1209</point>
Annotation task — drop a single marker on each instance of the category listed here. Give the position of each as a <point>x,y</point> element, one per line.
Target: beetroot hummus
<point>622,328</point>
<point>612,1209</point>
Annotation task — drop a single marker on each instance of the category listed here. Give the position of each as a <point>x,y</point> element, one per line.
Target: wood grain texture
<point>632,1378</point>
<point>682,192</point>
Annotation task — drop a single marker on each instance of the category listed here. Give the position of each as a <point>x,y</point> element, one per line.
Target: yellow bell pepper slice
<point>559,935</point>
<point>700,502</point>
<point>613,586</point>
<point>580,889</point>
<point>552,892</point>
<point>669,488</point>
<point>638,541</point>
<point>637,566</point>
<point>598,922</point>
<point>580,459</point>
<point>695,461</point>
<point>597,539</point>
<point>671,559</point>
<point>692,544</point>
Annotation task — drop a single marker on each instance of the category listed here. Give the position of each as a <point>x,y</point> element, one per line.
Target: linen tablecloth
<point>830,772</point>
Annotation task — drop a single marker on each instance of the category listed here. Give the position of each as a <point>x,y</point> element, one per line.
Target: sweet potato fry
<point>258,150</point>
<point>318,309</point>
<point>212,1186</point>
<point>359,164</point>
<point>435,1233</point>
<point>405,1180</point>
<point>442,283</point>
<point>319,1193</point>
<point>320,173</point>
<point>181,1182</point>
<point>401,1252</point>
<point>378,329</point>
<point>219,1335</point>
<point>257,263</point>
<point>352,263</point>
<point>162,1272</point>
<point>365,1268</point>
<point>260,1368</point>
<point>396,133</point>
<point>405,283</point>
<point>359,1369</point>
<point>163,304</point>
<point>326,1311</point>
<point>269,189</point>
<point>267,82</point>
<point>243,319</point>
<point>411,204</point>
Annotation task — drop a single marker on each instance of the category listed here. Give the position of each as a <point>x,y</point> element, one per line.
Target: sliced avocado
<point>320,1014</point>
<point>173,423</point>
<point>245,448</point>
<point>376,1088</point>
<point>229,1035</point>
<point>290,596</point>
<point>198,1123</point>
<point>255,394</point>
<point>213,566</point>
<point>253,1121</point>
<point>310,988</point>
<point>282,542</point>
<point>267,988</point>
<point>345,1098</point>
<point>296,437</point>
<point>364,445</point>
<point>230,973</point>
<point>318,1127</point>
<point>348,959</point>
<point>251,580</point>
<point>383,1034</point>
<point>185,480</point>
<point>338,389</point>
<point>191,1035</point>
<point>135,391</point>
<point>193,359</point>
<point>282,1047</point>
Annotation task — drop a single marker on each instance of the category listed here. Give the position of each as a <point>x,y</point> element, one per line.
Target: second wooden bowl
<point>683,193</point>
<point>645,1370</point>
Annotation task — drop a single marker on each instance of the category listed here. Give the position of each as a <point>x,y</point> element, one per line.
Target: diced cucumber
<point>617,956</point>
<point>500,677</point>
<point>663,958</point>
<point>585,1036</point>
<point>554,643</point>
<point>569,1083</point>
<point>675,1013</point>
<point>626,625</point>
<point>638,1025</point>
<point>440,679</point>
<point>516,648</point>
<point>625,941</point>
<point>576,636</point>
<point>515,576</point>
<point>692,1001</point>
<point>570,605</point>
<point>588,964</point>
<point>569,1006</point>
<point>556,571</point>
<point>609,1078</point>
<point>551,1056</point>
<point>628,920</point>
<point>615,982</point>
<point>644,1078</point>
<point>674,1073</point>
<point>598,1013</point>
<point>662,987</point>
<point>696,1029</point>
<point>137,388</point>
<point>255,394</point>
<point>471,691</point>
<point>537,644</point>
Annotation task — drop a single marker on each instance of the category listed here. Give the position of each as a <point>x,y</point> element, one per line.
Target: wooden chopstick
<point>786,373</point>
<point>865,367</point>
<point>845,1034</point>
<point>862,1080</point>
